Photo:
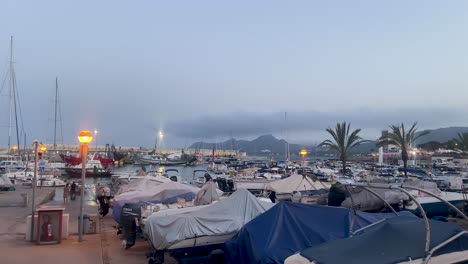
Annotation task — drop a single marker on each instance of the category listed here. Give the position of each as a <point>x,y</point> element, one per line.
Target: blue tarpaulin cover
<point>288,228</point>
<point>395,240</point>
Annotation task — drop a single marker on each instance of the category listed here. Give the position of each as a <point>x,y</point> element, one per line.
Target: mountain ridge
<point>269,144</point>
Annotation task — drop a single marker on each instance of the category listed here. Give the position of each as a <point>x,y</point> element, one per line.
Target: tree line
<point>343,140</point>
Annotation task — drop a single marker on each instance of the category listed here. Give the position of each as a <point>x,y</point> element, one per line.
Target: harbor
<point>157,193</point>
<point>233,132</point>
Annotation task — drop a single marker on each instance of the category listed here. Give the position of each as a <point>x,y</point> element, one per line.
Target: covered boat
<point>165,193</point>
<point>141,184</point>
<point>296,182</point>
<point>312,190</point>
<point>290,227</point>
<point>212,224</point>
<point>431,205</point>
<point>397,240</point>
<point>5,183</point>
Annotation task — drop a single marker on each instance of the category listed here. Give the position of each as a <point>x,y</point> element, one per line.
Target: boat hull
<point>439,208</point>
<point>76,173</point>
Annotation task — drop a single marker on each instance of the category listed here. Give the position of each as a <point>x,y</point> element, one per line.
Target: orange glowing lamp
<point>43,148</point>
<point>14,148</point>
<point>85,136</point>
<point>303,152</point>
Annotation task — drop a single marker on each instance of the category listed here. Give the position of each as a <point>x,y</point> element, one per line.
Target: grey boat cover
<point>141,184</point>
<point>207,194</point>
<point>222,218</point>
<point>365,201</point>
<point>296,182</point>
<point>395,240</point>
<point>5,181</point>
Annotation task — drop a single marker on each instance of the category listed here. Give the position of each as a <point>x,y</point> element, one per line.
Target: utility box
<point>65,227</point>
<point>90,224</point>
<point>49,225</point>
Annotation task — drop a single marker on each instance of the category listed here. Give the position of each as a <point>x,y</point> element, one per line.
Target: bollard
<point>25,199</point>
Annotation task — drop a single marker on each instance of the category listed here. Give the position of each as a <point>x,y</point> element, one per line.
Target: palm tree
<point>462,141</point>
<point>343,141</point>
<point>399,137</point>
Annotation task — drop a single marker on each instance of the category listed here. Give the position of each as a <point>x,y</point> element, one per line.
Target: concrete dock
<point>102,248</point>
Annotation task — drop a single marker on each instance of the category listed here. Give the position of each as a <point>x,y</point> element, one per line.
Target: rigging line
<point>60,115</point>
<point>16,116</point>
<point>7,73</point>
<point>19,102</point>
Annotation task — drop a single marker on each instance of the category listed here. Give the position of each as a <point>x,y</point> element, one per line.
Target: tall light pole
<point>85,137</point>
<point>34,183</point>
<point>161,136</point>
<point>42,150</point>
<point>95,137</point>
<point>303,153</point>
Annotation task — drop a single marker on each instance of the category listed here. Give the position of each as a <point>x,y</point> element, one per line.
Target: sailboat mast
<point>55,119</point>
<point>10,106</point>
<point>286,136</point>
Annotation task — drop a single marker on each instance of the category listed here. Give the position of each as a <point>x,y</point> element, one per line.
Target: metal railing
<point>428,252</point>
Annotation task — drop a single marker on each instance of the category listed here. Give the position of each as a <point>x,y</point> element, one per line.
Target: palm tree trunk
<point>405,166</point>
<point>343,161</point>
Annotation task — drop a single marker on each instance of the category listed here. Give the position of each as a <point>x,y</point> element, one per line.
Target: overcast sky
<point>206,70</point>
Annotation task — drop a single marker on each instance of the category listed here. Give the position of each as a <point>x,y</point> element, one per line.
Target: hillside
<point>441,135</point>
<point>268,144</point>
<point>263,145</point>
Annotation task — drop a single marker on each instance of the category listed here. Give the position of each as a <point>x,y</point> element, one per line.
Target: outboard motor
<point>230,184</point>
<point>336,195</point>
<point>222,184</point>
<point>207,177</point>
<point>131,214</point>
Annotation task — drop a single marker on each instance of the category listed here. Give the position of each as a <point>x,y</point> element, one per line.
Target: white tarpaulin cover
<point>425,185</point>
<point>165,193</point>
<point>296,182</point>
<point>224,217</point>
<point>158,192</point>
<point>5,181</point>
<point>207,194</point>
<point>142,184</point>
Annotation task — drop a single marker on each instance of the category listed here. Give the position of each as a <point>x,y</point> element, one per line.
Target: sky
<point>209,70</point>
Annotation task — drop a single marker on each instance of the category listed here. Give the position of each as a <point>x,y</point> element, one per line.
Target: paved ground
<point>102,248</point>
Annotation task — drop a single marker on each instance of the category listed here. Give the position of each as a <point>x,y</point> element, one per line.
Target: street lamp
<point>160,135</point>
<point>303,153</point>
<point>34,183</point>
<point>42,150</point>
<point>95,136</point>
<point>14,148</point>
<point>85,137</point>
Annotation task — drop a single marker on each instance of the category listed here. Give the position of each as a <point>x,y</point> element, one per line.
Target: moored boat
<point>93,169</point>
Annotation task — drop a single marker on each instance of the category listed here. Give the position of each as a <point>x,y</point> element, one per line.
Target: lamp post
<point>34,183</point>
<point>159,136</point>
<point>95,136</point>
<point>303,153</point>
<point>85,137</point>
<point>42,150</point>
